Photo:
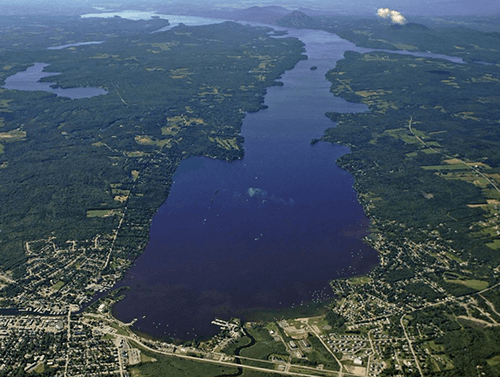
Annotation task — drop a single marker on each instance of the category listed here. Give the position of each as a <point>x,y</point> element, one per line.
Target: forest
<point>76,169</point>
<point>472,39</point>
<point>81,179</point>
<point>416,154</point>
<point>426,164</point>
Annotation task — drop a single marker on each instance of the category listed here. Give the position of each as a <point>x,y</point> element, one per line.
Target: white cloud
<point>395,16</point>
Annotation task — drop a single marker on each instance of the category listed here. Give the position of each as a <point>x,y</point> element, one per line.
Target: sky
<point>358,7</point>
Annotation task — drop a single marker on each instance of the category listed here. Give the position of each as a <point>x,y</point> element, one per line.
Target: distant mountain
<point>297,20</point>
<point>274,15</point>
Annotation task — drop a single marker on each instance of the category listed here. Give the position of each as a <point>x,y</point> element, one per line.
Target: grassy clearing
<point>265,345</point>
<point>135,154</point>
<point>360,280</point>
<point>404,46</point>
<point>478,285</point>
<point>57,286</point>
<point>227,144</point>
<point>116,191</point>
<point>481,182</point>
<point>317,372</point>
<point>147,359</point>
<point>100,213</point>
<point>434,144</point>
<point>40,368</point>
<point>453,257</point>
<point>148,140</point>
<point>429,151</point>
<point>4,104</point>
<point>495,245</point>
<point>419,133</point>
<point>445,167</point>
<point>319,355</point>
<point>13,135</point>
<point>495,360</point>
<point>495,176</point>
<point>472,322</point>
<point>320,323</point>
<point>435,347</point>
<point>409,139</point>
<point>491,194</point>
<point>174,367</point>
<point>120,331</point>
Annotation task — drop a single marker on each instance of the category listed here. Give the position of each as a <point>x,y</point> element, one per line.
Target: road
<point>411,345</point>
<point>327,348</point>
<point>224,363</point>
<point>69,341</point>
<point>410,123</point>
<point>120,359</point>
<point>373,352</point>
<point>138,340</point>
<point>490,304</point>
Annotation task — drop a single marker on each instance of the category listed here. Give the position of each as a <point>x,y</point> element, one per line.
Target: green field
<point>265,345</point>
<point>174,367</point>
<point>478,285</point>
<point>99,212</point>
<point>495,245</point>
<point>57,286</point>
<point>494,361</point>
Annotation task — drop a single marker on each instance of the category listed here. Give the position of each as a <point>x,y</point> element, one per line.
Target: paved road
<point>411,345</point>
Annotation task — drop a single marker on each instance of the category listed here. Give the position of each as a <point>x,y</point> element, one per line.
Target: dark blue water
<point>267,231</point>
<point>29,80</point>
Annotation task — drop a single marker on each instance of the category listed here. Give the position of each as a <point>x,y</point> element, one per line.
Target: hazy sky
<point>365,7</point>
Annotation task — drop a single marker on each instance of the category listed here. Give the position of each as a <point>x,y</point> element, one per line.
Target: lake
<point>265,232</point>
<point>29,80</point>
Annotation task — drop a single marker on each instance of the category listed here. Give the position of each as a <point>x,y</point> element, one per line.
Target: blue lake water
<point>173,19</point>
<point>29,80</point>
<point>267,231</point>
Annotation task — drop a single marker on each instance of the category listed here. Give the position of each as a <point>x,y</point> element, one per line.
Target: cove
<point>265,232</point>
<point>29,80</point>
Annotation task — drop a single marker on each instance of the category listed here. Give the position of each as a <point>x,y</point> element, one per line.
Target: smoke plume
<point>395,16</point>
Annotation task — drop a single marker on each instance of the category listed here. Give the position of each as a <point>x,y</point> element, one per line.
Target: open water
<point>268,231</point>
<point>29,80</point>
